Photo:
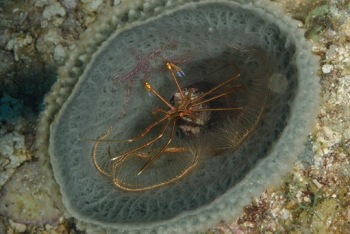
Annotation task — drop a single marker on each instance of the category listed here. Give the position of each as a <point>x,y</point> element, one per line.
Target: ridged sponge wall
<point>199,37</point>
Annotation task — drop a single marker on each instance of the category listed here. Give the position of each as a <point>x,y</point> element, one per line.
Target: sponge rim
<point>305,98</point>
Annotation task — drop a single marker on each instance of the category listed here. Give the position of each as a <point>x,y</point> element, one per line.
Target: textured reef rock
<point>13,149</point>
<point>221,186</point>
<point>29,204</point>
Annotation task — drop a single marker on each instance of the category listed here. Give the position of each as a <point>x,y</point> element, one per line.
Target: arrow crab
<point>182,132</point>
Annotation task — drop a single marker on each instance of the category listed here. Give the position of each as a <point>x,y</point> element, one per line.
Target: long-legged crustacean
<point>185,107</point>
<point>131,168</point>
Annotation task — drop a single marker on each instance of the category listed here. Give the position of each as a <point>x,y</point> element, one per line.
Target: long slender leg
<point>167,150</point>
<point>175,79</point>
<point>119,159</point>
<point>149,162</point>
<point>158,109</point>
<point>95,149</point>
<point>144,145</point>
<point>135,138</point>
<point>149,88</point>
<point>219,109</point>
<point>221,84</point>
<point>225,92</point>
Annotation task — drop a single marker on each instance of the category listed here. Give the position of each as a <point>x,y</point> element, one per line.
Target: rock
<point>59,53</point>
<point>91,5</point>
<point>24,198</point>
<point>69,4</point>
<point>53,10</point>
<point>40,3</point>
<point>19,227</point>
<point>327,68</point>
